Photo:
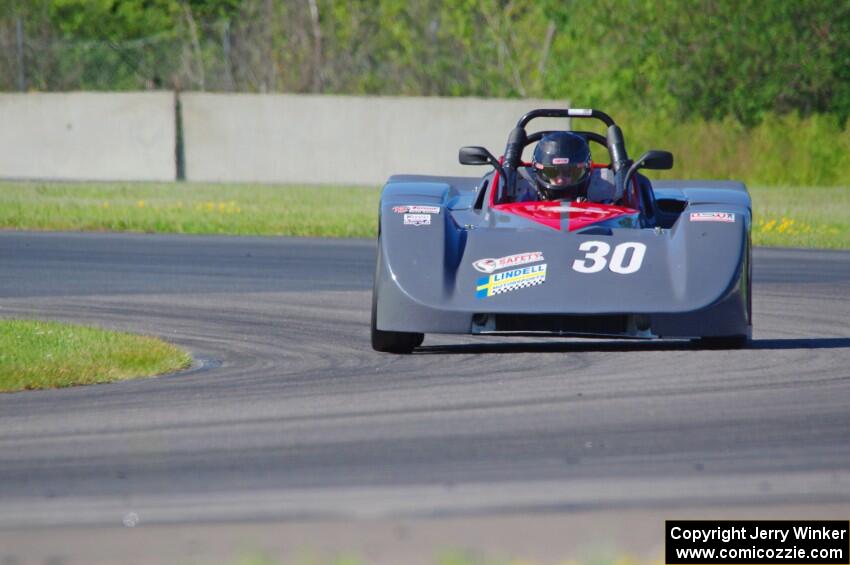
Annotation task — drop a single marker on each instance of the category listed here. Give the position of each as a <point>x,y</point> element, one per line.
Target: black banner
<point>804,542</point>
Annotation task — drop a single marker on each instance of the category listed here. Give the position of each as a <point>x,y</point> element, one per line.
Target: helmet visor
<point>563,175</point>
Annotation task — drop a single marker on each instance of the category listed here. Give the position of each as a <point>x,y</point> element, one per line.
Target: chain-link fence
<point>164,60</point>
<point>33,64</point>
<point>280,46</point>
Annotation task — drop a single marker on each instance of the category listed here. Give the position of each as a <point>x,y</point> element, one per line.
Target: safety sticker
<point>507,281</point>
<point>416,209</point>
<point>417,219</point>
<point>727,217</point>
<point>489,265</point>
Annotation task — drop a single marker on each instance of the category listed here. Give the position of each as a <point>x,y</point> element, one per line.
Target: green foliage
<point>783,150</point>
<point>215,9</point>
<point>114,19</point>
<point>705,58</point>
<point>712,59</point>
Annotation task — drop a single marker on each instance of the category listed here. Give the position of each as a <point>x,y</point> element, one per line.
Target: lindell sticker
<point>508,281</point>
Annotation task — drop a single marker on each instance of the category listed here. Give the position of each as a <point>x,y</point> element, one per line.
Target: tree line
<point>709,59</point>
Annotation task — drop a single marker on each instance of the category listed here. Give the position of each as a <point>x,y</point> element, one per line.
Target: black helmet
<point>561,166</point>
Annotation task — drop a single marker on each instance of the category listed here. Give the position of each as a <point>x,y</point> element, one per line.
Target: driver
<point>560,169</point>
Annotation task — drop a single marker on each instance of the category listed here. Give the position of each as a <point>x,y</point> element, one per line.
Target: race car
<point>634,259</point>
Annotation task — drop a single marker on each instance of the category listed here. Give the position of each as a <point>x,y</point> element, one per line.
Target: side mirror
<point>473,155</point>
<point>654,159</point>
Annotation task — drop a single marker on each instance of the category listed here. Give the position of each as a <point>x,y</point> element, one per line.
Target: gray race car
<point>667,259</point>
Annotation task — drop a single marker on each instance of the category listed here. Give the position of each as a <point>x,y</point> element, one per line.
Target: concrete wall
<point>87,136</point>
<point>341,139</point>
<point>284,138</point>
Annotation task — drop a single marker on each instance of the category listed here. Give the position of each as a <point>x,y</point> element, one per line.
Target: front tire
<point>736,341</point>
<point>723,342</point>
<point>390,342</point>
<point>395,342</point>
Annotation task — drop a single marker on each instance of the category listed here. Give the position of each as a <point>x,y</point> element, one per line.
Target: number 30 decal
<point>596,253</point>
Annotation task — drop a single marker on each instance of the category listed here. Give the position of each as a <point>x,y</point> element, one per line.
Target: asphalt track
<point>291,416</point>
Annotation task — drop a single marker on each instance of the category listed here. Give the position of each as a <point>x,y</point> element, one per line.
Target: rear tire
<point>390,342</point>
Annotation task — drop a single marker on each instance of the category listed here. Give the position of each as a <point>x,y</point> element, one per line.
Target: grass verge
<point>195,208</point>
<point>801,217</point>
<point>35,355</point>
<point>784,216</point>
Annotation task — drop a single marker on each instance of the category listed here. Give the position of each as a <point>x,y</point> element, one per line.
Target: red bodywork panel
<point>573,215</point>
<point>559,214</point>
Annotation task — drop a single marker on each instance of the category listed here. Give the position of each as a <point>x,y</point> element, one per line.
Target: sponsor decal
<point>727,217</point>
<point>561,161</point>
<point>580,112</point>
<point>489,265</point>
<point>515,279</point>
<point>416,209</point>
<point>417,219</point>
